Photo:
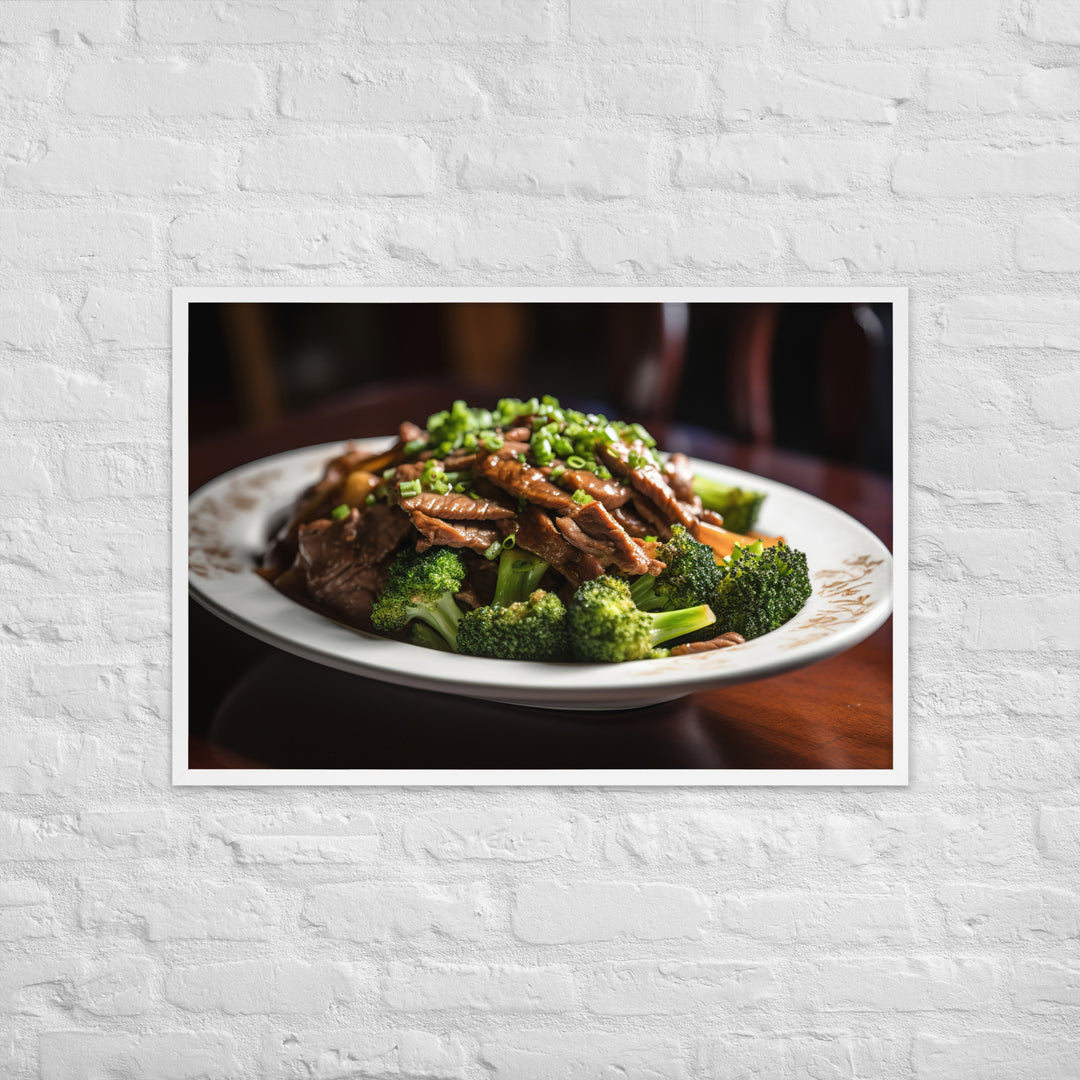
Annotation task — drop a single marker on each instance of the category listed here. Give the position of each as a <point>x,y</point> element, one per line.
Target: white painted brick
<point>76,241</point>
<point>117,834</point>
<point>393,913</point>
<point>38,762</point>
<point>676,987</point>
<point>933,24</point>
<point>595,167</point>
<point>496,242</point>
<point>793,1055</point>
<point>738,241</point>
<point>1038,322</point>
<point>301,836</point>
<point>1055,400</point>
<point>1034,764</point>
<point>819,917</point>
<point>23,80</point>
<point>503,834</point>
<point>126,320</point>
<point>68,22</point>
<point>1003,913</point>
<point>549,913</point>
<point>427,985</point>
<point>900,984</point>
<point>99,165</point>
<point>772,164</point>
<point>957,404</point>
<point>217,241</point>
<point>113,392</point>
<point>994,1055</point>
<point>698,837</point>
<point>1023,623</point>
<point>381,95</point>
<point>326,1056</point>
<point>87,1055</point>
<point>883,244</point>
<point>265,987</point>
<point>237,22</point>
<point>1050,20</point>
<point>128,470</point>
<point>1059,832</point>
<point>458,20</point>
<point>846,90</point>
<point>28,320</point>
<point>163,88</point>
<point>1046,986</point>
<point>589,1055</point>
<point>620,247</point>
<point>22,471</point>
<point>537,89</point>
<point>612,22</point>
<point>26,911</point>
<point>902,839</point>
<point>967,169</point>
<point>1049,242</point>
<point>117,986</point>
<point>234,911</point>
<point>656,89</point>
<point>1016,89</point>
<point>988,473</point>
<point>354,165</point>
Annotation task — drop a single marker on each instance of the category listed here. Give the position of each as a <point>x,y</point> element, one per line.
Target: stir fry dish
<point>534,532</point>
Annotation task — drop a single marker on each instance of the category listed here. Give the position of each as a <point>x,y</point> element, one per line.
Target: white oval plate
<point>230,519</point>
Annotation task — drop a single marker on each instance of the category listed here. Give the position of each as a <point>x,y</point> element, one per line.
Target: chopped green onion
<point>388,473</point>
<point>460,489</point>
<point>582,497</point>
<point>409,488</point>
<point>370,500</point>
<point>493,551</point>
<point>575,461</point>
<point>472,495</point>
<point>509,542</point>
<point>651,539</point>
<point>340,513</point>
<point>414,446</point>
<point>492,440</point>
<point>563,446</point>
<point>523,457</point>
<point>603,472</point>
<point>557,472</point>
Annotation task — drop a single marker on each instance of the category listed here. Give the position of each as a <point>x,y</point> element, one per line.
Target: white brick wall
<point>929,933</point>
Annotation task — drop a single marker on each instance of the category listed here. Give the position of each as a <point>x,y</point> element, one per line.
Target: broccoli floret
<point>519,576</point>
<point>760,589</point>
<point>689,577</point>
<point>532,629</point>
<point>604,626</point>
<point>738,507</point>
<point>422,586</point>
<point>423,635</point>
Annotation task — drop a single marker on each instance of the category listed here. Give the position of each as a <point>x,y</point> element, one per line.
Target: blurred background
<point>811,378</point>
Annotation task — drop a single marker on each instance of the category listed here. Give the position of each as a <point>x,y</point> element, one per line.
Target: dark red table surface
<point>254,706</point>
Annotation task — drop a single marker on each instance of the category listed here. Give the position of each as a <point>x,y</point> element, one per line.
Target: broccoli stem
<point>444,617</point>
<point>643,592</point>
<point>673,624</point>
<point>519,577</point>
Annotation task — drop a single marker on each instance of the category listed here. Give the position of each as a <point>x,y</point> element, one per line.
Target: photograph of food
<point>462,585</point>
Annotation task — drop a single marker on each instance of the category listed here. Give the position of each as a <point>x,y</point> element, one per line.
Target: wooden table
<point>254,706</point>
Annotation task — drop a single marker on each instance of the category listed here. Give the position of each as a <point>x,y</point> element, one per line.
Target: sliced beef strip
<point>649,481</point>
<point>537,533</point>
<point>595,522</point>
<point>518,434</point>
<point>680,477</point>
<point>711,517</point>
<point>632,522</point>
<point>575,535</point>
<point>524,481</point>
<point>459,534</point>
<point>457,507</point>
<point>343,563</point>
<point>653,516</point>
<point>409,432</point>
<point>608,492</point>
